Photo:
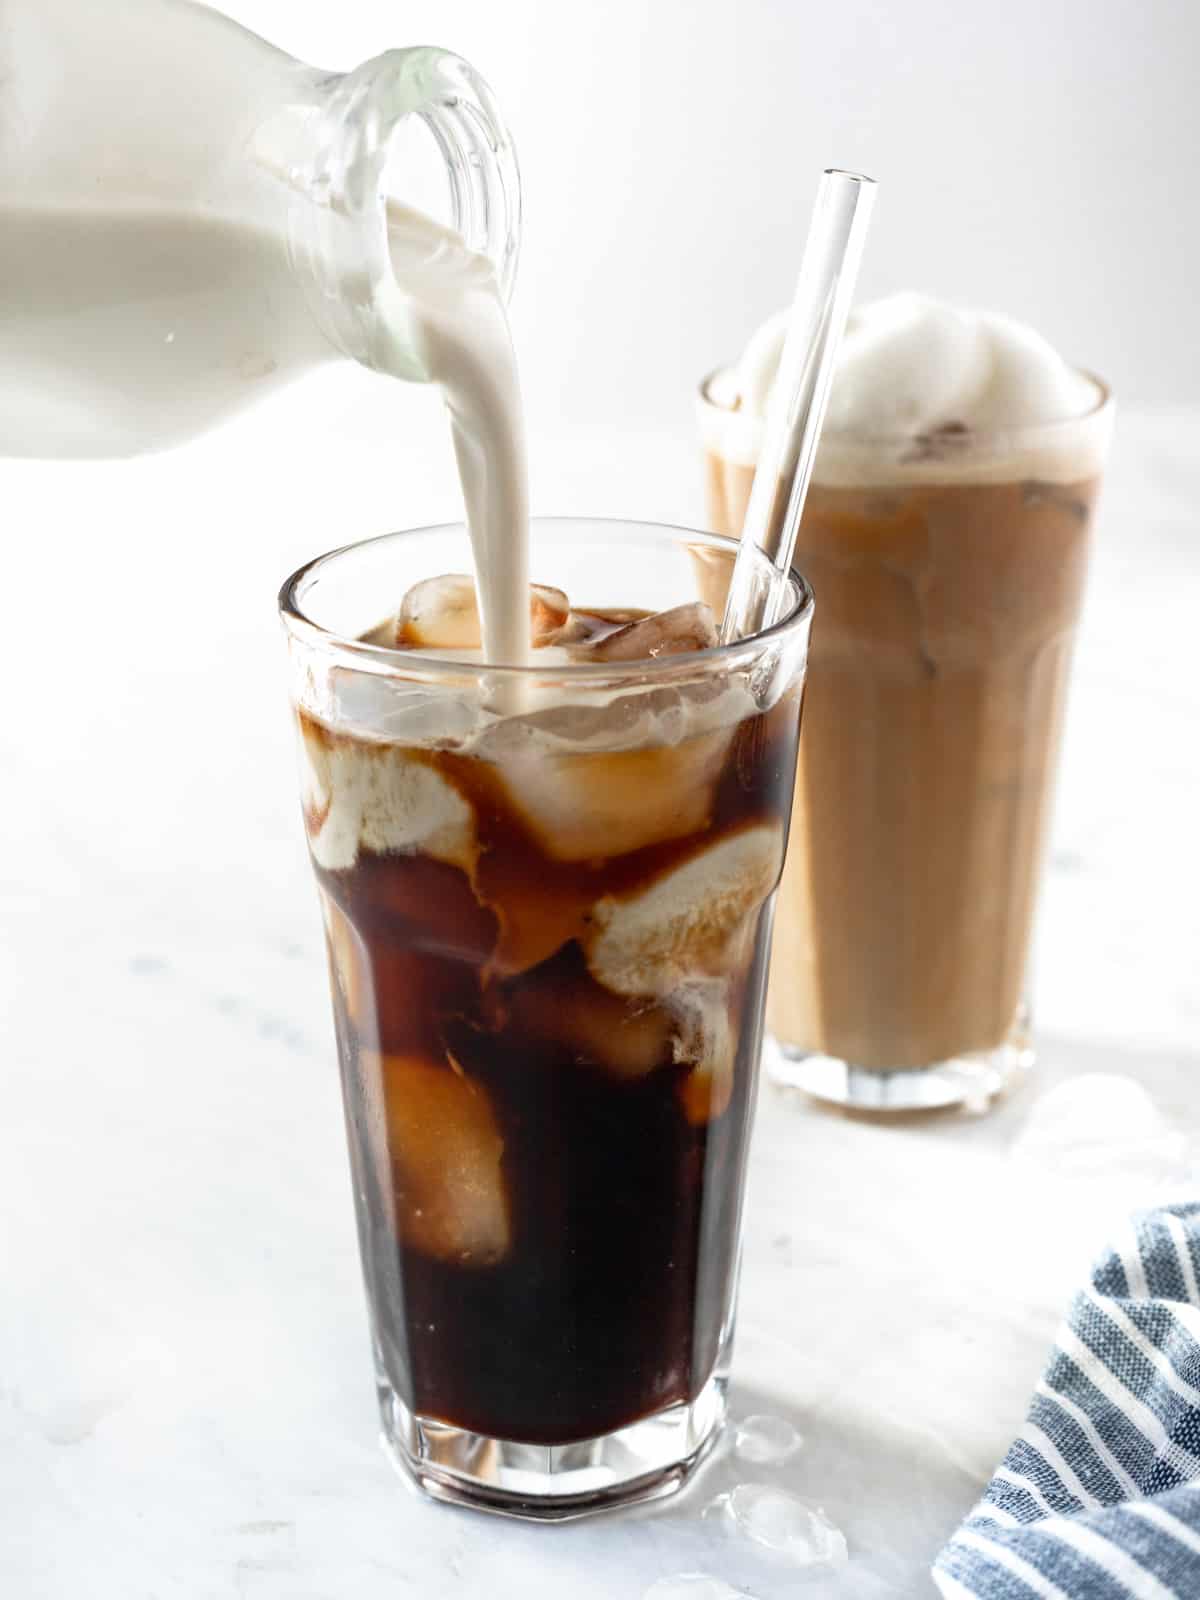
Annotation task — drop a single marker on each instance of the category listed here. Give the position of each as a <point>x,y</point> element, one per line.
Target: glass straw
<point>800,393</point>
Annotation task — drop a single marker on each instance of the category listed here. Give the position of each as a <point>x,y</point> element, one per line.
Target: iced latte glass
<point>548,895</point>
<point>948,570</point>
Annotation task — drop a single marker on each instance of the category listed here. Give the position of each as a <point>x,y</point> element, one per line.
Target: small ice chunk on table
<point>779,1521</point>
<point>765,1441</point>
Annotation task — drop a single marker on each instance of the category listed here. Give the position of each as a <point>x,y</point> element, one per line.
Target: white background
<point>1035,156</point>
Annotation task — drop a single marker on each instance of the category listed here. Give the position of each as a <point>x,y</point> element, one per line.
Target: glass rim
<point>368,657</point>
<point>972,437</point>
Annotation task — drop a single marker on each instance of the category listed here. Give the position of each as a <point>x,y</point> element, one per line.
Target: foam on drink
<point>915,377</point>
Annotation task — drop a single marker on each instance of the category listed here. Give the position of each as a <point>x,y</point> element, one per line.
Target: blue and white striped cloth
<point>1099,1497</point>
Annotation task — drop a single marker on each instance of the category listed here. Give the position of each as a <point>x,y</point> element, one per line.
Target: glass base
<point>972,1081</point>
<point>553,1483</point>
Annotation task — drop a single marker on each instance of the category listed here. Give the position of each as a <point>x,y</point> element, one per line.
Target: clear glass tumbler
<point>949,574</point>
<point>548,896</point>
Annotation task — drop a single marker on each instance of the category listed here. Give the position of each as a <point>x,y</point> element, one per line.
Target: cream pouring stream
<point>458,325</point>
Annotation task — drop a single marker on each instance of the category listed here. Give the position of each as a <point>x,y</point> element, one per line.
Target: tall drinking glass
<point>949,574</point>
<point>548,895</point>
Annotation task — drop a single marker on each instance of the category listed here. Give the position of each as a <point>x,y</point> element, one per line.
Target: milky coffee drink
<point>946,538</point>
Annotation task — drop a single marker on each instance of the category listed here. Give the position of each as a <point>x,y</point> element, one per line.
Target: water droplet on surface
<point>716,1508</point>
<point>693,1586</point>
<point>766,1440</point>
<point>776,1519</point>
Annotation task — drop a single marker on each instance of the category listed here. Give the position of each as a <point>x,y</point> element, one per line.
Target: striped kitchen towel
<point>1099,1497</point>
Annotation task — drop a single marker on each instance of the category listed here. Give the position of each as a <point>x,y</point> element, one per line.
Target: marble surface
<point>186,1406</point>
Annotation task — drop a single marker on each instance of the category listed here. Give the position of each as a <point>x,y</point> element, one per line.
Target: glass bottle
<point>190,217</point>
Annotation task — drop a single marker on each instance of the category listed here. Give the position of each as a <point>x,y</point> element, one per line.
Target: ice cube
<point>549,610</point>
<point>666,633</point>
<point>781,1522</point>
<point>706,1040</point>
<point>604,803</point>
<point>379,797</point>
<point>691,922</point>
<point>443,614</point>
<point>693,1586</point>
<point>401,710</point>
<point>766,1441</point>
<point>600,721</point>
<point>349,964</point>
<point>628,1038</point>
<point>1103,1123</point>
<point>446,1151</point>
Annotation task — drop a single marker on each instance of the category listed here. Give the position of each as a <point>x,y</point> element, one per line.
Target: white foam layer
<point>639,767</point>
<point>380,798</point>
<point>926,392</point>
<point>687,922</point>
<point>546,655</point>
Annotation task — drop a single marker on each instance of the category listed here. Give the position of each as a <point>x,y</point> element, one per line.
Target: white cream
<point>910,367</point>
<point>582,771</point>
<point>686,923</point>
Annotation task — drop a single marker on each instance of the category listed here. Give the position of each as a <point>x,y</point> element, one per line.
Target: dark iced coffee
<point>548,928</point>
